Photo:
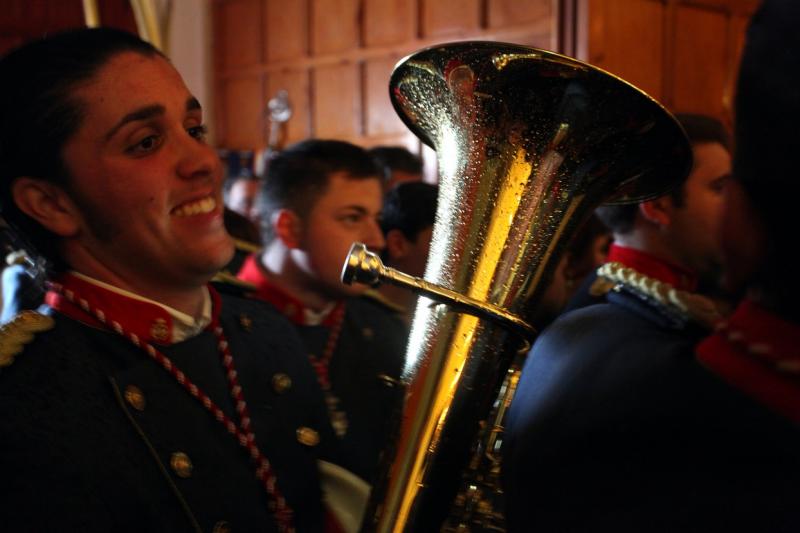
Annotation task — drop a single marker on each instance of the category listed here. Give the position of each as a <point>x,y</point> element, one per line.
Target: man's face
<point>147,185</point>
<point>695,226</point>
<point>415,253</point>
<point>345,213</point>
<point>743,238</point>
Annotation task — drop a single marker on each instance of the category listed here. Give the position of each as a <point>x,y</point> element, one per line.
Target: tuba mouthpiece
<point>362,266</point>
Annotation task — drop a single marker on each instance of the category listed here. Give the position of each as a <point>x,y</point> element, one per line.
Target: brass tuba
<point>528,142</point>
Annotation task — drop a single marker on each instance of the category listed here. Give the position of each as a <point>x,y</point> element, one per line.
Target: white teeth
<point>201,207</point>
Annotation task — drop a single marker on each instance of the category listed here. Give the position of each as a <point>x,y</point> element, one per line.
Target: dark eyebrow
<point>192,104</point>
<point>140,114</point>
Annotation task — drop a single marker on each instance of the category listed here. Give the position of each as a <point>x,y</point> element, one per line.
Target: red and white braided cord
<point>277,503</point>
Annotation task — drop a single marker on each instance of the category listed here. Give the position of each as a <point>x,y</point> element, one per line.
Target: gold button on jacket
<point>181,464</point>
<point>135,397</point>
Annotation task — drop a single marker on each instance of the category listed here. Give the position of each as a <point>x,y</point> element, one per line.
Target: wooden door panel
<point>701,66</point>
<point>389,22</point>
<point>241,113</point>
<point>335,26</point>
<point>240,22</point>
<point>381,117</point>
<point>502,13</point>
<point>337,105</point>
<point>451,18</point>
<point>286,31</point>
<point>627,39</point>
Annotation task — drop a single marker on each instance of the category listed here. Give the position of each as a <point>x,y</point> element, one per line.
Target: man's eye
<point>198,132</point>
<point>146,145</point>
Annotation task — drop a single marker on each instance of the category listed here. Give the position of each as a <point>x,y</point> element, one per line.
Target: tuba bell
<point>528,143</point>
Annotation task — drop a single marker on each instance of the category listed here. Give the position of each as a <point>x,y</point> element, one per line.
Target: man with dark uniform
<point>617,424</point>
<point>320,196</point>
<point>671,239</point>
<point>139,399</point>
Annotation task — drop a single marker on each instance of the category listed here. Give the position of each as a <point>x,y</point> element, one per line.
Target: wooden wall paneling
<point>286,29</point>
<point>381,118</point>
<point>336,101</point>
<point>296,83</point>
<point>701,62</point>
<point>240,23</point>
<point>450,18</point>
<point>24,20</point>
<point>115,13</point>
<point>335,26</point>
<point>503,13</point>
<point>241,111</point>
<point>627,39</point>
<point>737,34</point>
<point>389,22</point>
<point>334,57</point>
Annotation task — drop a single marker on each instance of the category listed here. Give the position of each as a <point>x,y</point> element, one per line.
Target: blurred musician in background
<point>622,425</point>
<point>672,239</point>
<point>409,210</point>
<point>320,196</point>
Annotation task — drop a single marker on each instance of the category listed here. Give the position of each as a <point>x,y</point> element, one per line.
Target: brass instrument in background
<point>528,142</point>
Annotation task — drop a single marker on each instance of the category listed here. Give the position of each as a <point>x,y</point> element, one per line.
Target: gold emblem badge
<point>159,330</point>
<point>181,464</point>
<point>135,397</point>
<point>20,331</point>
<point>281,382</point>
<point>307,436</point>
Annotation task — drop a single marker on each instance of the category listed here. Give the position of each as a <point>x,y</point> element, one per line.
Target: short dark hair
<point>299,175</point>
<point>394,158</point>
<point>410,208</point>
<point>699,129</point>
<point>39,113</point>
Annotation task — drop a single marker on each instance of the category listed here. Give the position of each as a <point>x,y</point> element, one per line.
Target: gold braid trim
<point>690,305</point>
<point>20,331</point>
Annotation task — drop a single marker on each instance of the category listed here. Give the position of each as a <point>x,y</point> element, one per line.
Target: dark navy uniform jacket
<point>370,349</point>
<point>615,426</point>
<point>95,436</point>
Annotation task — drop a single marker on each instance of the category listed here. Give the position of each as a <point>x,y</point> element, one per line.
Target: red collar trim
<point>150,322</point>
<point>653,267</point>
<point>267,290</point>
<point>758,352</point>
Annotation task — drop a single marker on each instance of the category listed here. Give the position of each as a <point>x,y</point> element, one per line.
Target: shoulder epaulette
<point>383,300</point>
<point>225,279</point>
<point>692,306</point>
<point>19,331</point>
<point>246,246</point>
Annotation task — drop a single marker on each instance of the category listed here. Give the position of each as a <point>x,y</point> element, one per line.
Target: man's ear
<point>48,204</point>
<point>288,227</point>
<point>658,211</point>
<point>396,244</point>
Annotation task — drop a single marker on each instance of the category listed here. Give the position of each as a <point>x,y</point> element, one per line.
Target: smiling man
<point>139,398</point>
<point>319,197</point>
